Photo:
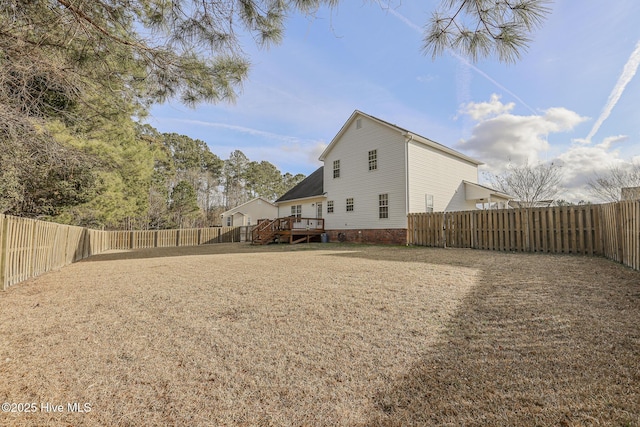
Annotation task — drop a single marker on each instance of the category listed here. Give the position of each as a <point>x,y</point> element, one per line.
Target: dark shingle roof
<point>313,185</point>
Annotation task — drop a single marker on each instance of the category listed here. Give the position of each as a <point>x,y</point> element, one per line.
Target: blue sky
<point>573,97</point>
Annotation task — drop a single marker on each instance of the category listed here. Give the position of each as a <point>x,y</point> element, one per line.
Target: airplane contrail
<point>417,28</point>
<point>629,70</point>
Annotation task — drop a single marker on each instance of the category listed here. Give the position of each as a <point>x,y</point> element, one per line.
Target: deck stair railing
<point>265,232</point>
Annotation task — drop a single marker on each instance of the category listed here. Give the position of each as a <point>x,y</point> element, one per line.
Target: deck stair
<point>265,232</point>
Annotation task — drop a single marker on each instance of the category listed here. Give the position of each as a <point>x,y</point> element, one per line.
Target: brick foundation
<point>386,236</point>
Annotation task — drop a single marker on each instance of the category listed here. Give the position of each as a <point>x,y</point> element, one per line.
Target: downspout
<point>406,165</point>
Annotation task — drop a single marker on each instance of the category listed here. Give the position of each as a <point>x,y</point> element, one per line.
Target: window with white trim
<point>383,206</point>
<point>336,168</point>
<point>330,206</point>
<point>428,200</point>
<point>296,211</point>
<point>229,219</point>
<point>373,160</point>
<point>350,204</point>
<point>319,210</point>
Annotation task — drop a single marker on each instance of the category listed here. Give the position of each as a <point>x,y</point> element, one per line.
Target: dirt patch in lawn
<point>232,334</point>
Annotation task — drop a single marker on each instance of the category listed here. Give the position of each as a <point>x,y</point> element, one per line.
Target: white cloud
<point>482,110</point>
<point>242,129</point>
<point>582,163</point>
<point>562,120</point>
<point>500,137</point>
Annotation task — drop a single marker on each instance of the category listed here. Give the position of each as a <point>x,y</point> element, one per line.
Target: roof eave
<point>492,191</point>
<point>301,198</point>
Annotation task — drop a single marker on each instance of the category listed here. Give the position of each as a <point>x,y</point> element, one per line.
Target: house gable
<point>411,136</point>
<point>371,160</point>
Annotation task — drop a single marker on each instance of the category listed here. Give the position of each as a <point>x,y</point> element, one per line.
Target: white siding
<point>308,207</point>
<point>363,185</point>
<point>440,174</point>
<point>459,202</point>
<point>255,209</point>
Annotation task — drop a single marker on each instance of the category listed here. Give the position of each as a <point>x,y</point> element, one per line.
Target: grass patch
<point>325,334</point>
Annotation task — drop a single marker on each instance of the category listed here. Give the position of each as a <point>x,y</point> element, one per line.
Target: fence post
<point>4,237</point>
<point>618,228</point>
<point>443,230</point>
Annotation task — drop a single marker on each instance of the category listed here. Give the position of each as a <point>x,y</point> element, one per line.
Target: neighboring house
<point>375,173</point>
<point>249,213</point>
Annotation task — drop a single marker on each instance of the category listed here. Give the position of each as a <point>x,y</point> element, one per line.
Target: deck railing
<point>293,223</point>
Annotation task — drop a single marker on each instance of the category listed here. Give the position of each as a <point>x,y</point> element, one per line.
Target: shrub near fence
<point>30,247</point>
<point>611,230</point>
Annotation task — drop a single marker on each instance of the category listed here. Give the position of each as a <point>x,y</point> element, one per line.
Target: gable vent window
<point>358,123</point>
<point>336,168</point>
<point>373,160</point>
<point>350,204</point>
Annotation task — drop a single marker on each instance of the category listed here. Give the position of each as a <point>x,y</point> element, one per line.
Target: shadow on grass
<point>371,252</point>
<point>552,347</point>
<point>212,249</point>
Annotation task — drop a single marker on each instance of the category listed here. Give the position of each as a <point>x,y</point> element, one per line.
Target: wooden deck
<point>287,230</point>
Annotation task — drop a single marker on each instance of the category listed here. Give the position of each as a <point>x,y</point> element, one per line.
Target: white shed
<point>250,212</point>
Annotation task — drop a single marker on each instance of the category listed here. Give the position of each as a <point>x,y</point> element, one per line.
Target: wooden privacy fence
<point>172,238</point>
<point>611,230</point>
<point>30,247</point>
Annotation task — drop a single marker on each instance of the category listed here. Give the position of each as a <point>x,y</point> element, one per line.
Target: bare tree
<point>531,184</point>
<point>608,187</point>
<point>481,28</point>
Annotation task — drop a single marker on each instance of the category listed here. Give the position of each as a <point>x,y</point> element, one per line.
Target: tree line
<point>150,180</point>
<point>76,81</point>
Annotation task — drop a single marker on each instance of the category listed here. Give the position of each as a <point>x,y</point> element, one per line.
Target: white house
<point>375,173</point>
<point>250,212</point>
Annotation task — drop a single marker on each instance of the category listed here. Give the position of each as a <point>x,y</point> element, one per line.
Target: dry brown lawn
<point>324,335</point>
